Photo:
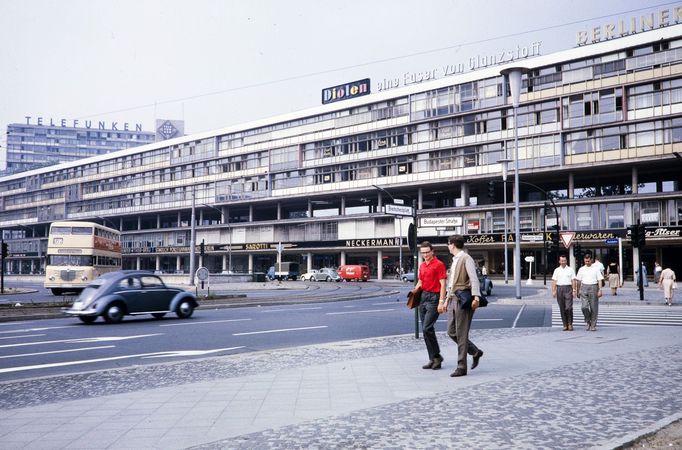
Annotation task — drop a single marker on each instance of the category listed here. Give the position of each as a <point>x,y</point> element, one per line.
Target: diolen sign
<point>345,91</point>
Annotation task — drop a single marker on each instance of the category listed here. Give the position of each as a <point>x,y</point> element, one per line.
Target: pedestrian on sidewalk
<point>613,277</point>
<point>463,282</point>
<point>432,281</point>
<point>588,286</point>
<point>645,281</point>
<point>599,266</point>
<point>563,288</point>
<point>657,272</point>
<point>668,282</point>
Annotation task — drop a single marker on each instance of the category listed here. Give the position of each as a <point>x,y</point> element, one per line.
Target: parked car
<point>130,292</point>
<point>323,274</point>
<point>408,276</point>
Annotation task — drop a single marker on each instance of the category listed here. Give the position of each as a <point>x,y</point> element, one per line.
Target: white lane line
<point>486,320</point>
<point>58,351</point>
<point>518,316</point>
<point>359,312</point>
<point>202,323</point>
<point>29,330</point>
<point>81,340</point>
<point>384,303</point>
<point>22,336</point>
<point>278,331</point>
<point>290,309</point>
<point>88,361</point>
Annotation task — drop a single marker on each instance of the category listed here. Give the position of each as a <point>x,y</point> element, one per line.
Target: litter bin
<point>259,277</point>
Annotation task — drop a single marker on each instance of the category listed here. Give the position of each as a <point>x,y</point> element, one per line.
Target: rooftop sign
<point>345,91</point>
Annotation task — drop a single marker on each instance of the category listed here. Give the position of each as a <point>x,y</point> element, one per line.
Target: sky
<point>217,63</point>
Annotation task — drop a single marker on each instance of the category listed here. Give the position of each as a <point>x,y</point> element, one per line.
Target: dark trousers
<point>564,296</point>
<point>428,312</point>
<point>459,323</point>
<point>590,303</point>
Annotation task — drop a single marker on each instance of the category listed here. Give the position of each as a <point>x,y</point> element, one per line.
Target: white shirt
<point>563,276</point>
<point>599,266</point>
<point>589,275</point>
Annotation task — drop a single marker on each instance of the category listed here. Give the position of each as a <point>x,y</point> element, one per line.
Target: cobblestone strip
<point>38,391</point>
<point>604,399</point>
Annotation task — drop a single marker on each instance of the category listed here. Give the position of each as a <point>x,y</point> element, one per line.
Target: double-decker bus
<point>78,252</point>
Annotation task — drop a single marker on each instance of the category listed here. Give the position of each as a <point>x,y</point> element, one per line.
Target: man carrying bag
<point>463,297</point>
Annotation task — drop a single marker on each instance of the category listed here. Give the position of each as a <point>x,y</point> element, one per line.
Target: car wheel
<point>488,292</point>
<point>405,279</point>
<point>87,319</point>
<point>328,279</point>
<point>114,313</point>
<point>184,309</point>
<point>158,315</point>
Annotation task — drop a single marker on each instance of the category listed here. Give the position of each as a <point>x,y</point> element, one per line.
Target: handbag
<point>465,299</point>
<point>414,297</point>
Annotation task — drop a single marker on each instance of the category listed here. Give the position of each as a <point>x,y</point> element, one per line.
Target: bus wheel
<point>113,314</point>
<point>184,309</point>
<point>87,319</point>
<point>56,291</point>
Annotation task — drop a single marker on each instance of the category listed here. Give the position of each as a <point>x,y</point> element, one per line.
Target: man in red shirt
<point>432,280</point>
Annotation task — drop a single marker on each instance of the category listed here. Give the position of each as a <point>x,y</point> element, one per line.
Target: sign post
<point>530,260</point>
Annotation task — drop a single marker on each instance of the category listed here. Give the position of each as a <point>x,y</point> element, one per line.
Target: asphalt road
<point>65,345</point>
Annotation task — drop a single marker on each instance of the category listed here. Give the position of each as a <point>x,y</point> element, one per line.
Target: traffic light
<point>201,248</point>
<point>5,250</point>
<point>412,238</point>
<point>634,235</point>
<point>491,190</point>
<point>641,236</point>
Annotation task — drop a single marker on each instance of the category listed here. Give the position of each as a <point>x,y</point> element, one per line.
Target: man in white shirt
<point>601,268</point>
<point>588,284</point>
<point>563,288</point>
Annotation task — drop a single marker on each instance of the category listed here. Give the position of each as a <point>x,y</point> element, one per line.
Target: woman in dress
<point>614,278</point>
<point>667,282</point>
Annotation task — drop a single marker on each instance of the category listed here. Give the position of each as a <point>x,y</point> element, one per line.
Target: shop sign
<point>345,91</point>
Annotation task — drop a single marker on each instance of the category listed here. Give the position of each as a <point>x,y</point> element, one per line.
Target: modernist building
<point>599,126</point>
<point>41,142</point>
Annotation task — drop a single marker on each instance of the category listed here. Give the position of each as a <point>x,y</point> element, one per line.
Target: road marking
<point>518,316</point>
<point>290,309</point>
<point>203,322</point>
<point>58,351</point>
<point>359,312</point>
<point>81,341</point>
<point>278,331</point>
<point>191,352</point>
<point>486,320</point>
<point>85,361</point>
<point>384,303</point>
<point>28,330</point>
<point>23,336</point>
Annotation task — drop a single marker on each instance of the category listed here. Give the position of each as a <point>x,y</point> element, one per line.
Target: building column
<point>420,198</point>
<point>138,263</point>
<point>158,262</point>
<point>635,182</point>
<point>179,219</point>
<point>342,258</point>
<point>178,264</point>
<point>224,269</point>
<point>201,216</point>
<point>571,185</point>
<point>250,213</point>
<point>464,194</point>
<point>380,265</point>
<point>342,211</point>
<point>158,221</point>
<point>380,201</point>
<point>279,210</point>
<point>139,222</point>
<point>250,263</point>
<point>309,256</point>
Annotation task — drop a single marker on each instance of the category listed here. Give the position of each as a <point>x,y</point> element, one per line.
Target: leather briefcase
<point>414,297</point>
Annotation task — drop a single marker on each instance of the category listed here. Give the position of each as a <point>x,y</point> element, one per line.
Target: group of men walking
<point>586,285</point>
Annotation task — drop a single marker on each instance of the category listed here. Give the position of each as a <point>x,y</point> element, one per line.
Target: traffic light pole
<point>2,267</point>
<point>415,264</point>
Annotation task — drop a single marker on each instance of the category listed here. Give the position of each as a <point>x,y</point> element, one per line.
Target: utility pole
<point>192,241</point>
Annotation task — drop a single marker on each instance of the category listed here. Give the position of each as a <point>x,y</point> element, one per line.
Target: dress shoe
<point>477,357</point>
<point>570,327</point>
<point>437,361</point>
<point>565,327</point>
<point>594,328</point>
<point>428,366</point>
<point>458,373</point>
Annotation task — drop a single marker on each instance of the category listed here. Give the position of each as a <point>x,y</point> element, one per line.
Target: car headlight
<point>84,278</point>
<point>51,278</point>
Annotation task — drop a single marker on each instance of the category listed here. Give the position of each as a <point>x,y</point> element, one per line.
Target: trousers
<point>428,313</point>
<point>564,297</point>
<point>590,303</point>
<point>459,324</point>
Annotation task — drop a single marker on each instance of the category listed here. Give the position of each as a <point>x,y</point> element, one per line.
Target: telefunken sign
<point>645,22</point>
<point>75,123</point>
<point>345,91</point>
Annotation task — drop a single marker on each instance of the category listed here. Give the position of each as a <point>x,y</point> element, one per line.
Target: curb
<point>631,438</point>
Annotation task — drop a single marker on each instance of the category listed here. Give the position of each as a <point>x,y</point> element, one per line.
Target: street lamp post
<point>513,74</point>
<point>505,171</point>
<point>192,241</point>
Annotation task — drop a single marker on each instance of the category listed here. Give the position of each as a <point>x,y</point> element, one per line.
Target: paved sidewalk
<point>535,388</point>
